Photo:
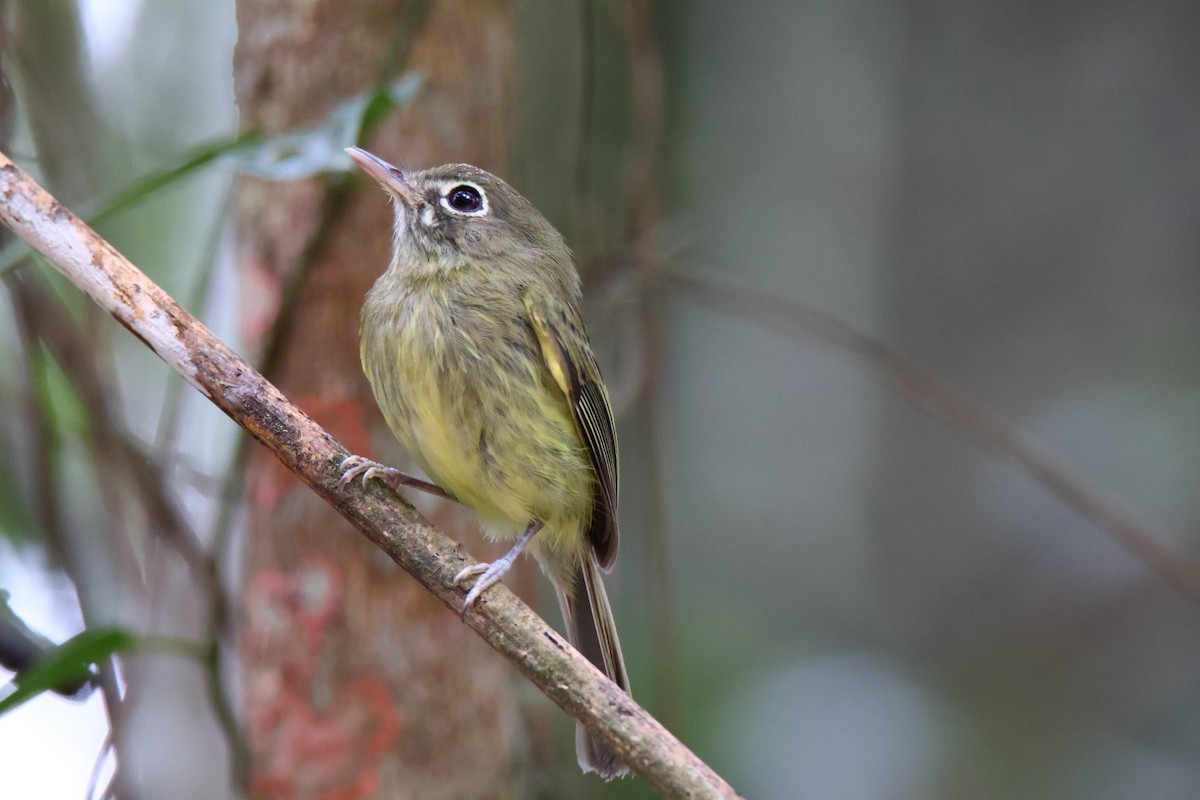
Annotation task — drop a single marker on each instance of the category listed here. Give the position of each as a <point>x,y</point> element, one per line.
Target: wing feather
<point>568,356</point>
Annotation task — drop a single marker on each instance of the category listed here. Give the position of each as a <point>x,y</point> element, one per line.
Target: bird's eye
<point>465,199</point>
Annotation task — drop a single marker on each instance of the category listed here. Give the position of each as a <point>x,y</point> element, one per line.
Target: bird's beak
<point>389,177</point>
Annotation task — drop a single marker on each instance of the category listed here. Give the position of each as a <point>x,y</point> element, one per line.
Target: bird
<point>476,352</point>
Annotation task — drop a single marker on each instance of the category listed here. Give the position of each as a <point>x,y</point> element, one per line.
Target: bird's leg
<point>493,572</point>
<point>357,465</point>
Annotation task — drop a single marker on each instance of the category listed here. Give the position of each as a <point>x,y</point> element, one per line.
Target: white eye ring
<point>464,198</point>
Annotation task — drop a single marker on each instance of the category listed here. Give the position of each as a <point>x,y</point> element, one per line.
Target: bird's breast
<point>461,384</point>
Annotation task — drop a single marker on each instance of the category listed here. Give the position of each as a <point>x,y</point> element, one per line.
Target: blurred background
<point>899,304</point>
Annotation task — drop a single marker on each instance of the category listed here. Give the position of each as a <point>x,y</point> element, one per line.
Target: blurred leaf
<point>303,154</point>
<point>16,515</point>
<point>141,189</point>
<point>288,156</point>
<point>62,405</point>
<point>66,663</point>
<point>397,94</point>
<point>59,407</point>
<point>21,647</point>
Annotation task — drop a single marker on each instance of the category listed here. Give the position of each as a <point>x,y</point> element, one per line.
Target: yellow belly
<point>473,404</point>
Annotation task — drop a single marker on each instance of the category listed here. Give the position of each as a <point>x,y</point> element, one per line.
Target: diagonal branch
<point>958,410</point>
<point>506,623</point>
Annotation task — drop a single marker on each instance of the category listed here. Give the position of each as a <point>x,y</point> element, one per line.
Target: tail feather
<point>594,634</point>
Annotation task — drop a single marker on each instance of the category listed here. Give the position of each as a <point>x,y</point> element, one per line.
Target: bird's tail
<point>594,633</point>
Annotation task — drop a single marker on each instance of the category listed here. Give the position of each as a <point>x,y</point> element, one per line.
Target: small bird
<point>477,355</point>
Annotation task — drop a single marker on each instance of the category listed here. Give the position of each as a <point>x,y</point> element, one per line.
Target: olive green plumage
<point>474,347</point>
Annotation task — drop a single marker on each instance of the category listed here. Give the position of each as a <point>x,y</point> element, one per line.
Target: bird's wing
<point>568,357</point>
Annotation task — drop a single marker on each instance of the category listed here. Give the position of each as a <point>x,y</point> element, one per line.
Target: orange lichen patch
<point>333,753</point>
<point>303,747</point>
<point>291,611</point>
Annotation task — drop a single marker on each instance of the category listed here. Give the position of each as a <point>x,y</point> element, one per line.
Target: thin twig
<point>506,623</point>
<point>98,769</point>
<point>955,408</point>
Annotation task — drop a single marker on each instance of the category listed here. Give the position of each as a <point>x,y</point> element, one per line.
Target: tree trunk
<point>357,682</point>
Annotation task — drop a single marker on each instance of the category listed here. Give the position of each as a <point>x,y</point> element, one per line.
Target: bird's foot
<point>355,466</point>
<point>493,573</point>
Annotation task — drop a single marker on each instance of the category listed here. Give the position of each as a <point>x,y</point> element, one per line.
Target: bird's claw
<point>490,575</point>
<point>353,466</point>
<point>495,571</point>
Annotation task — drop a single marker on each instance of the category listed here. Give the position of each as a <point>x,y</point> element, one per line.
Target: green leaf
<point>306,153</point>
<point>192,161</point>
<point>399,93</point>
<point>375,111</point>
<point>61,403</point>
<point>17,517</point>
<point>66,663</point>
<point>141,189</point>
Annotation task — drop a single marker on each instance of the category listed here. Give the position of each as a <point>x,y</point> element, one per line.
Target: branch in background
<point>46,445</point>
<point>645,212</point>
<point>117,458</point>
<point>955,408</point>
<point>506,623</point>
